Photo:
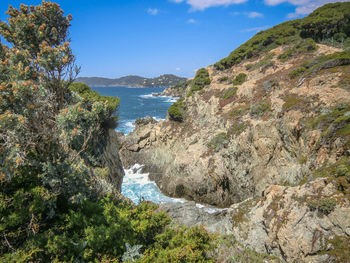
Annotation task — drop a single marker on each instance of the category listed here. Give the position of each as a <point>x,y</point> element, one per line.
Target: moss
<point>218,142</point>
<point>240,79</point>
<point>176,111</point>
<point>243,209</point>
<point>229,93</point>
<point>323,206</point>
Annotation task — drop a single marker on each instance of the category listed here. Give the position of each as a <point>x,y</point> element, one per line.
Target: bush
<point>259,109</point>
<point>322,206</point>
<point>181,245</point>
<point>263,64</point>
<point>219,141</point>
<point>296,72</point>
<point>176,111</point>
<point>240,79</point>
<point>223,79</point>
<point>229,93</point>
<point>304,46</point>
<point>200,81</point>
<point>323,23</point>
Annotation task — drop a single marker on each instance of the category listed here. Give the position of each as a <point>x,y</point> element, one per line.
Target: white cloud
<point>255,29</point>
<point>204,4</point>
<point>153,11</point>
<point>192,21</point>
<point>178,69</point>
<point>254,14</point>
<point>303,7</point>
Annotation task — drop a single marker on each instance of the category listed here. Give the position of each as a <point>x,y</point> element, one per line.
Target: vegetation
<point>200,81</point>
<point>303,46</point>
<point>54,205</point>
<point>240,79</point>
<point>229,93</point>
<point>259,109</point>
<point>263,64</point>
<point>176,111</point>
<point>223,79</point>
<point>219,141</point>
<point>328,24</point>
<point>180,87</point>
<point>323,206</point>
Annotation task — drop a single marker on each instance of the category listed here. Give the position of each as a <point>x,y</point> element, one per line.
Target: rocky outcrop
<point>235,142</point>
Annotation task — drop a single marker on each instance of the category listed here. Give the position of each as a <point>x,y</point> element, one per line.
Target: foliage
<point>176,111</point>
<point>223,79</point>
<point>259,109</point>
<point>229,93</point>
<point>323,206</point>
<point>240,79</point>
<point>294,101</point>
<point>323,23</point>
<point>132,253</point>
<point>303,46</point>
<point>218,142</point>
<point>263,64</point>
<point>52,139</point>
<point>181,245</point>
<point>200,80</point>
<point>297,72</point>
<point>339,251</point>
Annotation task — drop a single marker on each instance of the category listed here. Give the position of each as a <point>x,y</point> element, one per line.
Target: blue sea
<point>137,103</point>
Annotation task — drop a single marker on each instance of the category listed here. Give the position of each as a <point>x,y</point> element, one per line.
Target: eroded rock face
<point>297,224</point>
<point>230,147</point>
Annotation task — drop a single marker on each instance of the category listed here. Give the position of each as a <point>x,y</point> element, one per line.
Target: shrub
<point>303,46</point>
<point>181,245</point>
<point>219,141</point>
<point>259,109</point>
<point>176,111</point>
<point>229,93</point>
<point>223,79</point>
<point>323,23</point>
<point>240,79</point>
<point>200,80</point>
<point>323,206</point>
<point>263,64</point>
<point>297,72</point>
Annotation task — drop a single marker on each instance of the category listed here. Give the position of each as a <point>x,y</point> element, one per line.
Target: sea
<point>138,103</point>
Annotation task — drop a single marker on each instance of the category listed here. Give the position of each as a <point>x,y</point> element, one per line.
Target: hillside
<point>166,80</point>
<point>265,133</point>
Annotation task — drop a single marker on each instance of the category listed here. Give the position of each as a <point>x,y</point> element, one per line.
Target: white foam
<point>130,124</point>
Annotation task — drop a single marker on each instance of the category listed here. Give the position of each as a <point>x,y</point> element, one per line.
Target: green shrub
<point>303,46</point>
<point>200,80</point>
<point>181,245</point>
<point>297,72</point>
<point>229,93</point>
<point>323,206</point>
<point>176,111</point>
<point>263,64</point>
<point>223,79</point>
<point>219,141</point>
<point>323,23</point>
<point>259,109</point>
<point>240,79</point>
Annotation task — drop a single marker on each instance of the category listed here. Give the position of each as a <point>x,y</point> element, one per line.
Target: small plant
<point>218,142</point>
<point>259,109</point>
<point>132,253</point>
<point>223,79</point>
<point>323,206</point>
<point>240,79</point>
<point>303,46</point>
<point>263,64</point>
<point>296,72</point>
<point>229,93</point>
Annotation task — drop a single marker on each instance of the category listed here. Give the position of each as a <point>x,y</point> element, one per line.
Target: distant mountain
<point>166,81</point>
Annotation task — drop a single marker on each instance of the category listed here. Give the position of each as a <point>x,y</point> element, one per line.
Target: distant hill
<point>166,80</point>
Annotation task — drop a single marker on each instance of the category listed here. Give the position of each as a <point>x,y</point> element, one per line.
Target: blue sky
<point>113,38</point>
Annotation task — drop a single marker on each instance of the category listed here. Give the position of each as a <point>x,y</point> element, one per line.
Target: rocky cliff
<point>265,132</point>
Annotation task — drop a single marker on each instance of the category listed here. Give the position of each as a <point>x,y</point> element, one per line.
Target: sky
<point>114,38</point>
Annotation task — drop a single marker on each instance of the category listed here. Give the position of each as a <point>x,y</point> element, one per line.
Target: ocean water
<point>137,103</point>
